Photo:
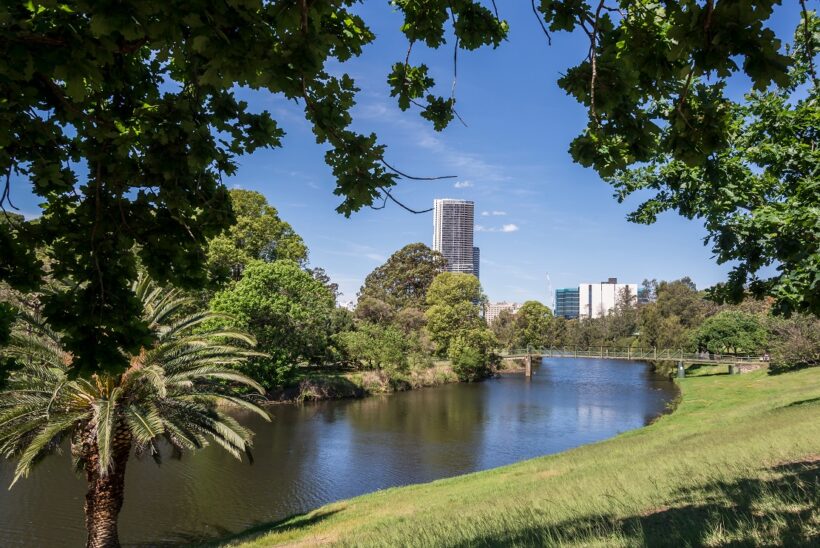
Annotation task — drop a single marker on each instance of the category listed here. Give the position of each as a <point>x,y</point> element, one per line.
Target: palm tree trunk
<point>106,491</point>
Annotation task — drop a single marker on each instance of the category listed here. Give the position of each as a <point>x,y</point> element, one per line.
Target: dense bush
<point>454,307</point>
<point>288,312</point>
<point>471,352</point>
<point>376,347</point>
<point>733,332</point>
<point>795,342</point>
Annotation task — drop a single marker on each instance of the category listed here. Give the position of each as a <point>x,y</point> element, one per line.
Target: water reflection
<point>313,454</point>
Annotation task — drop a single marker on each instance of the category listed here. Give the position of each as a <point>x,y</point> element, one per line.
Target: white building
<point>598,299</point>
<point>492,310</point>
<point>453,222</point>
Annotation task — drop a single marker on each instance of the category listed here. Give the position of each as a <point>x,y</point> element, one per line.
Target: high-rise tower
<point>453,222</point>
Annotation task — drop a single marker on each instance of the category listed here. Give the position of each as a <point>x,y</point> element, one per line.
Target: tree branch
<point>541,22</point>
<point>388,195</point>
<point>593,60</point>
<point>406,176</point>
<point>809,42</point>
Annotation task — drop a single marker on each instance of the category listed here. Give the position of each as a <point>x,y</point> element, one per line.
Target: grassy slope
<point>738,462</point>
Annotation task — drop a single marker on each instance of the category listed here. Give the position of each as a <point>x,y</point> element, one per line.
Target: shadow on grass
<point>221,536</point>
<point>706,370</point>
<point>803,402</point>
<point>778,369</point>
<point>777,511</point>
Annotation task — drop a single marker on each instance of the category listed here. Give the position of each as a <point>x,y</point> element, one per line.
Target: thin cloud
<point>504,228</point>
<point>493,213</point>
<point>463,184</point>
<point>465,164</point>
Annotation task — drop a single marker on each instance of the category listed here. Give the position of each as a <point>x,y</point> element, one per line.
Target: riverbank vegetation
<point>672,315</point>
<point>737,463</point>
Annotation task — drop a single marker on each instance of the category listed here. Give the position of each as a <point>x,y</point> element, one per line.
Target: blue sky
<point>545,214</point>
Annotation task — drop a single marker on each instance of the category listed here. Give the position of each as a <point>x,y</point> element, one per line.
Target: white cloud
<point>493,213</point>
<point>463,184</point>
<point>504,228</point>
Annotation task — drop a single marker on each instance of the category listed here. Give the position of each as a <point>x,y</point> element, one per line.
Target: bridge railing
<point>608,352</point>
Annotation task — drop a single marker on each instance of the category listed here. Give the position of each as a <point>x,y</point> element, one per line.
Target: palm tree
<point>172,394</point>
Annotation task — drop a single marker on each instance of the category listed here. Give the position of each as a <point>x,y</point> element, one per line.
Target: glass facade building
<point>567,302</point>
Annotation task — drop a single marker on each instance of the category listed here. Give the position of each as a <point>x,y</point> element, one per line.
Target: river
<point>313,454</point>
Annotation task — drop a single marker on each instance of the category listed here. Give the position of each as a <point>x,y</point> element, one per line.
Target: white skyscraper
<point>453,222</point>
<point>596,300</point>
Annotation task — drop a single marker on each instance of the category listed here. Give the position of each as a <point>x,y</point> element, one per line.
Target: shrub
<point>471,354</point>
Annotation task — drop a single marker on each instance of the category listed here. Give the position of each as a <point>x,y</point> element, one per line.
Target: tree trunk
<point>105,495</point>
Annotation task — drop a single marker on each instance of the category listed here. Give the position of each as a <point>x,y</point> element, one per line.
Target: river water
<point>316,453</point>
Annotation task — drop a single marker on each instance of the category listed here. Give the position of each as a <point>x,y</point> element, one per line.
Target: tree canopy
<point>403,280</point>
<point>661,122</point>
<point>532,323</point>
<point>453,300</point>
<point>258,233</point>
<point>452,288</point>
<point>757,193</point>
<point>732,331</point>
<point>286,309</point>
<point>123,117</point>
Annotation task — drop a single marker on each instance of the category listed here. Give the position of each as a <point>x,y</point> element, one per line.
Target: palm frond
<point>146,424</point>
<point>44,441</point>
<point>174,390</point>
<point>105,419</point>
<point>186,324</point>
<point>211,372</point>
<point>219,399</point>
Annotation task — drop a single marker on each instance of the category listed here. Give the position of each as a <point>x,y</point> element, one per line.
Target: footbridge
<point>640,354</point>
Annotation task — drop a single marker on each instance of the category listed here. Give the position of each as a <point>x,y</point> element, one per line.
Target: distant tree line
<point>677,317</point>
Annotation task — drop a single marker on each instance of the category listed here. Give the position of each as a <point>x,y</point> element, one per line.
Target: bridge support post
<point>528,363</point>
<point>681,370</point>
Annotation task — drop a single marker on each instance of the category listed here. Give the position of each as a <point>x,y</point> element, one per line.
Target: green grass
<point>738,463</point>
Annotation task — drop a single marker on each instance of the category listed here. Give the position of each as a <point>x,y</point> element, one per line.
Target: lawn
<point>738,463</point>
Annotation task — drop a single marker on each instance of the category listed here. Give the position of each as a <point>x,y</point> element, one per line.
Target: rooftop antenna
<point>550,294</point>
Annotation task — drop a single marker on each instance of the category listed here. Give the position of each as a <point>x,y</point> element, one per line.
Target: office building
<point>567,302</point>
<point>492,310</point>
<point>476,261</point>
<point>453,222</point>
<point>598,299</point>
